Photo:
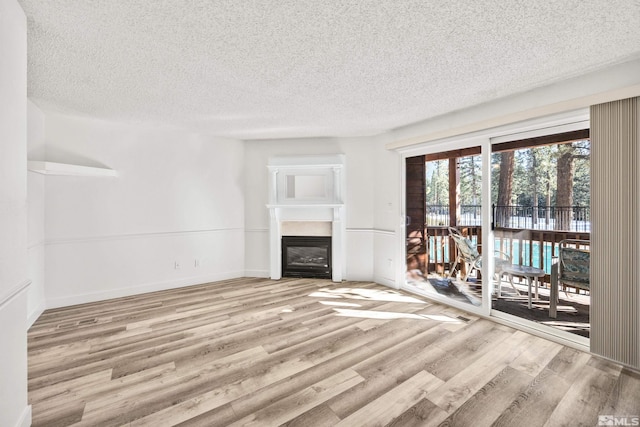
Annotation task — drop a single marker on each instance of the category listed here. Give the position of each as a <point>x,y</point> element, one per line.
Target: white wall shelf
<point>51,168</point>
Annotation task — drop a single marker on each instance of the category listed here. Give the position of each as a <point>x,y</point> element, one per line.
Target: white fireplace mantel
<point>309,189</point>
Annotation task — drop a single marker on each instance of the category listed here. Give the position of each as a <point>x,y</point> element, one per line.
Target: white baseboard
<point>386,282</point>
<point>33,316</point>
<point>358,278</point>
<point>265,274</point>
<point>257,273</point>
<point>25,418</point>
<point>140,289</point>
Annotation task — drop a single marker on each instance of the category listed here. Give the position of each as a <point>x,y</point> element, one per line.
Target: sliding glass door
<point>541,200</point>
<point>488,221</point>
<point>444,223</point>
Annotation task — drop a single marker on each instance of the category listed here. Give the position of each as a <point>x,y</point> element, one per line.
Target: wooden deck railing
<point>441,250</point>
<point>559,218</point>
<point>525,246</point>
<point>536,248</point>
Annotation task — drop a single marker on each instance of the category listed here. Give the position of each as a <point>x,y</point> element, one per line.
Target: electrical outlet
<point>196,263</point>
<point>177,265</point>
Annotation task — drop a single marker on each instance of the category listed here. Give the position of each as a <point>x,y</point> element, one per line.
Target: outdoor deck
<point>573,308</point>
<point>524,246</point>
<point>431,255</point>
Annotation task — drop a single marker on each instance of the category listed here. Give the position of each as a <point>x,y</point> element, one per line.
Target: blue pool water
<point>514,253</point>
<point>513,250</point>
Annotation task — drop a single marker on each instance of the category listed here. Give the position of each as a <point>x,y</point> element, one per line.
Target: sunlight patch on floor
<point>568,326</point>
<point>566,309</point>
<point>366,294</point>
<point>389,315</point>
<point>340,303</point>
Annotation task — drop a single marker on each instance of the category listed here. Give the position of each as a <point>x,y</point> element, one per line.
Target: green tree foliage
<point>545,173</point>
<point>534,181</point>
<point>470,180</point>
<point>582,174</point>
<point>495,177</point>
<point>534,178</point>
<point>437,187</point>
<point>535,174</point>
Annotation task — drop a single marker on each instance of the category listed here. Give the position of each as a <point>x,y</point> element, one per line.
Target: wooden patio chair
<point>468,253</point>
<point>571,269</point>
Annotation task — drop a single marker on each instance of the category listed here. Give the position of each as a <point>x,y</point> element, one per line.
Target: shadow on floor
<point>573,311</point>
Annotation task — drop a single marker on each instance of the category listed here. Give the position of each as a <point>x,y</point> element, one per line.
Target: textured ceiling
<point>300,68</point>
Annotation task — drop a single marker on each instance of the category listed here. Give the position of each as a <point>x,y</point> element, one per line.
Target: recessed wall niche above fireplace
<point>306,194</point>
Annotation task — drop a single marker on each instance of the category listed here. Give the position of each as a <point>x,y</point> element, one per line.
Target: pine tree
<point>470,180</point>
<point>567,156</point>
<point>504,186</point>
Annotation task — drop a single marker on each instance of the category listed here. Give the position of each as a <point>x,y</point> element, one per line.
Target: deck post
<point>454,203</point>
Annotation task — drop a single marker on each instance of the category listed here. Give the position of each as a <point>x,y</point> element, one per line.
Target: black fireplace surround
<point>306,256</point>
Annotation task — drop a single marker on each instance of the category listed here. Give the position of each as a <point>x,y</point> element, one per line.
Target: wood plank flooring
<point>304,352</point>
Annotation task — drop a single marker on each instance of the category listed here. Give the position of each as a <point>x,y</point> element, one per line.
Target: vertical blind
<point>615,237</point>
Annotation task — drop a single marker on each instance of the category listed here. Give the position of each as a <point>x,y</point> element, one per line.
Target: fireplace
<point>306,256</point>
<point>306,201</point>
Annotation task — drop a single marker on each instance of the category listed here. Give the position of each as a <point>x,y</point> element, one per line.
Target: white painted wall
<point>360,176</point>
<point>14,410</point>
<point>387,258</point>
<point>35,206</point>
<point>178,198</point>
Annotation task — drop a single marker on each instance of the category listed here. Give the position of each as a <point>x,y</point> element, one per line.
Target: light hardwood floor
<point>305,352</point>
